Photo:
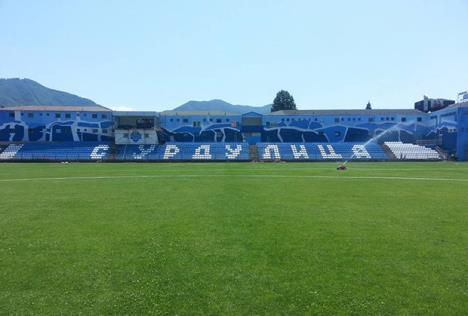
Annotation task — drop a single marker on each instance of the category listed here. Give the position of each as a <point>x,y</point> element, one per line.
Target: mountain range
<point>14,92</point>
<point>220,105</point>
<point>24,92</point>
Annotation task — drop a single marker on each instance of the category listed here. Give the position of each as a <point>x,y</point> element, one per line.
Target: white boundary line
<point>201,176</point>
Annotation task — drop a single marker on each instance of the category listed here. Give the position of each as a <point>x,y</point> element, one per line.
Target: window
<point>178,120</point>
<point>77,114</point>
<point>211,120</point>
<point>419,119</point>
<point>227,120</point>
<point>268,124</point>
<point>67,115</point>
<point>403,119</point>
<point>337,119</point>
<point>125,135</point>
<point>104,131</point>
<point>57,115</point>
<point>40,114</point>
<point>94,115</point>
<point>78,130</point>
<point>11,114</point>
<point>95,130</point>
<point>204,120</point>
<point>30,114</point>
<point>104,116</point>
<point>185,120</point>
<point>392,118</point>
<point>218,121</point>
<point>171,120</point>
<point>48,114</point>
<point>371,119</point>
<point>146,135</point>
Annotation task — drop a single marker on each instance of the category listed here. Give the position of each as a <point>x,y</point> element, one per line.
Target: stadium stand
<point>320,151</point>
<point>326,134</point>
<point>404,151</point>
<point>184,151</point>
<point>57,151</point>
<point>72,151</point>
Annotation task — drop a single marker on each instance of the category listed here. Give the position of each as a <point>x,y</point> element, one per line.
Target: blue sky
<point>155,55</point>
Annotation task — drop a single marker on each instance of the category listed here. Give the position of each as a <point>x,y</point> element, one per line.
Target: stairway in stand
<point>253,152</point>
<point>445,155</point>
<point>388,152</point>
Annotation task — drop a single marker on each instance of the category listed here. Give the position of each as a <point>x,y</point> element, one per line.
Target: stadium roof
<point>135,113</point>
<point>54,108</point>
<point>458,105</point>
<point>201,113</point>
<point>348,112</point>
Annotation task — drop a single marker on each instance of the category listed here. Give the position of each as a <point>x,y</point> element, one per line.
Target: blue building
<point>125,135</point>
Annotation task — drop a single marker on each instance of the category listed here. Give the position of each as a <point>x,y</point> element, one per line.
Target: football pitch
<point>234,238</point>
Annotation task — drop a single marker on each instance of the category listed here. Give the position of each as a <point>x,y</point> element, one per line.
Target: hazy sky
<point>154,55</point>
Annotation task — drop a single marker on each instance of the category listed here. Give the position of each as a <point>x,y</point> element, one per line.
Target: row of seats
<point>321,151</point>
<point>215,151</point>
<point>10,151</point>
<point>404,151</point>
<point>184,151</point>
<point>56,151</point>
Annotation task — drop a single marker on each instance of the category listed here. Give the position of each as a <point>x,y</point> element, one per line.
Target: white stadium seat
<point>404,151</point>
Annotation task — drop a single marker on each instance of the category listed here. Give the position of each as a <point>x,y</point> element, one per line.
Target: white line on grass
<point>201,176</point>
<point>287,168</point>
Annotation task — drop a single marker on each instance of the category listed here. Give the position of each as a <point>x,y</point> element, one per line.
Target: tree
<point>368,106</point>
<point>283,101</point>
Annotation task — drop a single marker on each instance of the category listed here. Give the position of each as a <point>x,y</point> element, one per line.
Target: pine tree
<point>283,101</point>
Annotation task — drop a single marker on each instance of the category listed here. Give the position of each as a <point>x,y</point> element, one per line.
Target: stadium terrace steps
<point>404,151</point>
<point>72,151</point>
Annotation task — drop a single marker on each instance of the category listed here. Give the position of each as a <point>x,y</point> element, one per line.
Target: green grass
<point>234,239</point>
